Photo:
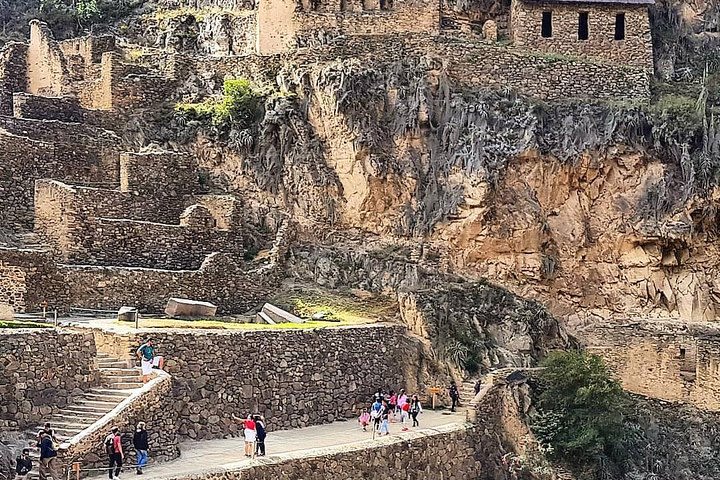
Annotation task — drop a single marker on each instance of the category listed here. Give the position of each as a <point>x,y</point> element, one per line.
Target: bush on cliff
<point>239,106</point>
<point>581,411</point>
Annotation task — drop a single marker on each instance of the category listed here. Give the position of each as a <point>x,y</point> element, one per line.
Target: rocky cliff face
<point>595,210</point>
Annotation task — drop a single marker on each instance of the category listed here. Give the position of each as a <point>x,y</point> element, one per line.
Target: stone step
<point>113,379</point>
<point>113,392</point>
<point>107,406</point>
<point>113,364</point>
<point>75,415</point>
<point>85,409</point>
<point>125,385</point>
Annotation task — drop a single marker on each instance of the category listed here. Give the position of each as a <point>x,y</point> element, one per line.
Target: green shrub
<point>240,106</point>
<point>581,409</point>
<point>680,111</point>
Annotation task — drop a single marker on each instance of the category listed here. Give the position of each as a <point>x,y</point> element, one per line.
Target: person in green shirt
<point>148,359</point>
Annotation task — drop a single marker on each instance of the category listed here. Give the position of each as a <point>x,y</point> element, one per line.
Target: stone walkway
<point>227,454</point>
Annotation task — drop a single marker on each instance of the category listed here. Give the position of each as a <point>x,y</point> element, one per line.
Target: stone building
<point>614,30</point>
<point>283,25</point>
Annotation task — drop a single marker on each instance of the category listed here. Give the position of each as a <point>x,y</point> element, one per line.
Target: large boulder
<point>183,307</point>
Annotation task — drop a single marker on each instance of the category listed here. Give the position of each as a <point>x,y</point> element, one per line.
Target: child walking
<point>364,420</point>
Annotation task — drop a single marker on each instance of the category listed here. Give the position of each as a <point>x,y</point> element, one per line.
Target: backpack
<point>109,447</point>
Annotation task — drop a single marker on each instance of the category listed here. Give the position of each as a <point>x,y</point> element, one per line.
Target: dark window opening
<point>620,26</point>
<point>682,353</point>
<point>386,4</point>
<point>583,26</point>
<point>546,31</point>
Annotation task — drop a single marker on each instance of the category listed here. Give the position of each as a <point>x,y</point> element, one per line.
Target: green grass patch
<point>221,325</point>
<point>347,306</point>
<point>22,324</point>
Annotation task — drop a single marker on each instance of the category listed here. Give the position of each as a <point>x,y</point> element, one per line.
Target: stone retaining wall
<point>152,405</point>
<point>219,280</point>
<point>28,278</point>
<point>295,377</point>
<point>64,109</point>
<point>41,371</point>
<point>447,453</point>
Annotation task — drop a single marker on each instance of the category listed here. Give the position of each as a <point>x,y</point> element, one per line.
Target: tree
<point>581,409</point>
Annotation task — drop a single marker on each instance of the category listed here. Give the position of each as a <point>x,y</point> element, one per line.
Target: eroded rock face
<point>478,326</point>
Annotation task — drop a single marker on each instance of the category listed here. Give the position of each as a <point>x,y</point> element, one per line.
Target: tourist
<point>376,411</point>
<point>249,432</point>
<point>48,429</point>
<point>364,420</point>
<point>113,447</point>
<point>401,401</point>
<point>478,386</point>
<point>140,443</point>
<point>454,395</point>
<point>48,458</point>
<point>23,465</point>
<point>415,410</point>
<point>385,420</point>
<point>261,434</point>
<point>392,404</point>
<point>378,396</point>
<point>405,412</point>
<point>146,354</point>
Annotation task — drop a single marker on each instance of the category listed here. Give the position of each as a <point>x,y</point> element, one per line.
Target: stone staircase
<point>467,392</point>
<point>119,380</point>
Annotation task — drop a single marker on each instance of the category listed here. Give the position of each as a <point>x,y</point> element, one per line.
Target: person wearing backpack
<point>48,458</point>
<point>113,447</point>
<point>140,442</point>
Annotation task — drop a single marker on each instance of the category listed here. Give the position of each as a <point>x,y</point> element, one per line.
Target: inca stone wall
<point>635,49</point>
<point>664,360</point>
<point>42,371</point>
<point>63,109</point>
<point>449,454</point>
<point>47,67</point>
<point>13,74</point>
<point>219,280</point>
<point>295,378</point>
<point>33,149</point>
<point>152,405</point>
<point>132,243</point>
<point>284,24</point>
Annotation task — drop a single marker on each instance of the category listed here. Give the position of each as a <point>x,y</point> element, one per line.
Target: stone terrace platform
<point>214,457</point>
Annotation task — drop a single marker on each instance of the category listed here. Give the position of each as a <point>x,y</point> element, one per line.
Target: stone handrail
<point>146,404</point>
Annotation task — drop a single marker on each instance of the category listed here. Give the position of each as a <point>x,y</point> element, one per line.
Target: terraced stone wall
<point>64,109</point>
<point>24,160</point>
<point>448,454</point>
<point>42,371</point>
<point>219,280</point>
